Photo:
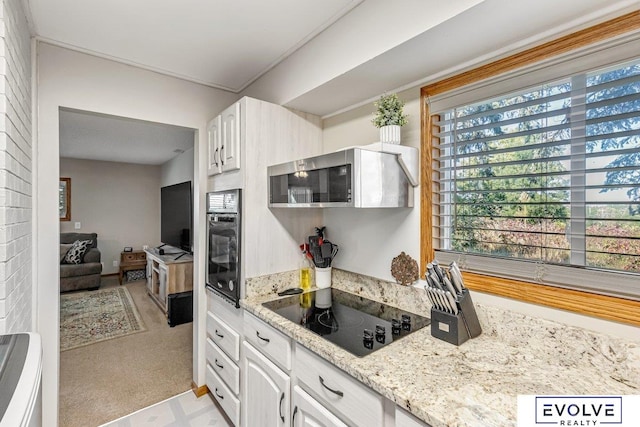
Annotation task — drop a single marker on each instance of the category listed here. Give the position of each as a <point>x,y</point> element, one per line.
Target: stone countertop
<point>475,384</point>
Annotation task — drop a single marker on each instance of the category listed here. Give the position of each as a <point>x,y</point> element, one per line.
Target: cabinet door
<point>308,412</point>
<point>214,133</point>
<point>265,391</point>
<point>162,293</point>
<point>230,141</point>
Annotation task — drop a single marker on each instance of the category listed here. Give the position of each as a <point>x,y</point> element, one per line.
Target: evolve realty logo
<point>578,410</point>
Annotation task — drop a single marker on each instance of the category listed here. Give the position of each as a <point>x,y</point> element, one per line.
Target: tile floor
<point>183,410</point>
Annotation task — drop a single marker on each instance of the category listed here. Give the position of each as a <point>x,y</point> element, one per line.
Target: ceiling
<point>322,57</point>
<point>85,135</point>
<point>226,44</point>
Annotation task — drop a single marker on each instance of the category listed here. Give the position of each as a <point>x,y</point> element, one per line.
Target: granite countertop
<point>475,384</point>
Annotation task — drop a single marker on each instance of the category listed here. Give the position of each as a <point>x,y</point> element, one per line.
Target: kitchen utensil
<point>448,285</point>
<point>314,248</point>
<point>290,291</point>
<point>452,302</point>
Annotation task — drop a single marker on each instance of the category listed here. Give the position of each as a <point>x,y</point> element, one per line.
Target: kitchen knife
<point>452,302</point>
<point>436,301</point>
<point>428,292</point>
<point>443,304</point>
<point>455,280</point>
<point>457,275</point>
<point>447,283</point>
<point>438,270</point>
<point>448,305</point>
<point>435,279</point>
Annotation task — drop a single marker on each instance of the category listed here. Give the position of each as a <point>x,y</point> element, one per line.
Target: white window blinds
<point>546,182</point>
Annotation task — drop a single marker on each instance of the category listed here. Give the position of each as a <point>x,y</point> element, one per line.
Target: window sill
<point>601,306</point>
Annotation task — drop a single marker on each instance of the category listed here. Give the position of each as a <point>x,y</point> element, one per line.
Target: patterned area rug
<point>94,316</point>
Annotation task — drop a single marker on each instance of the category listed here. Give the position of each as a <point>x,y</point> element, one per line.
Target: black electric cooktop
<point>358,325</point>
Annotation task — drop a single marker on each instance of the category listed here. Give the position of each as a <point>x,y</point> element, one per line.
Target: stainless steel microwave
<point>354,177</point>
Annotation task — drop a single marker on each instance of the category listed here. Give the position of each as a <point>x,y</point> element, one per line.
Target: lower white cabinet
<point>308,412</point>
<point>341,393</point>
<point>405,419</point>
<point>222,354</point>
<point>265,391</point>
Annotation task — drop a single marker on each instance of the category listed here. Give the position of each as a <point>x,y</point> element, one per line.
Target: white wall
<point>74,80</point>
<point>177,170</point>
<point>16,166</point>
<point>119,201</point>
<point>369,239</point>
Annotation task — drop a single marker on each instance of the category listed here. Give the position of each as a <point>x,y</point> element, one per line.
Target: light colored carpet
<point>92,316</point>
<point>110,379</point>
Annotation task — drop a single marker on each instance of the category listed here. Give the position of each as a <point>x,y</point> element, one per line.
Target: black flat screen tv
<point>176,215</point>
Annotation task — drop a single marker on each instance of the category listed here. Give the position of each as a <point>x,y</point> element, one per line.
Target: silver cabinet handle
<point>338,392</point>
<point>221,156</point>
<point>293,417</point>
<point>218,365</point>
<point>218,334</point>
<point>280,408</point>
<point>215,162</point>
<point>262,338</point>
<point>218,394</point>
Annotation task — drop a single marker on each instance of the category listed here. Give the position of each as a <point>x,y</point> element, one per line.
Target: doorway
<point>116,167</point>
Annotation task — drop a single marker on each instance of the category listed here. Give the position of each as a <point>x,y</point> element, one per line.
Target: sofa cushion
<point>64,248</point>
<point>77,251</point>
<point>84,269</point>
<point>72,237</point>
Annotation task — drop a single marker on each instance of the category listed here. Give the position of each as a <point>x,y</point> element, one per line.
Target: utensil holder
<point>323,277</point>
<point>456,328</point>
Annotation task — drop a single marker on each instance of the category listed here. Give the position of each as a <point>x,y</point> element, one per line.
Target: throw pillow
<point>64,248</point>
<point>77,251</point>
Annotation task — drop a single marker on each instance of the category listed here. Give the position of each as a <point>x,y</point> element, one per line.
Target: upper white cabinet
<point>230,140</point>
<point>223,141</point>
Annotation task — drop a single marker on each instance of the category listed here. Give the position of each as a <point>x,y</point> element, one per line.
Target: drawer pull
<point>280,407</point>
<point>218,365</point>
<point>218,334</point>
<point>262,338</point>
<point>293,417</point>
<point>218,394</point>
<point>338,392</point>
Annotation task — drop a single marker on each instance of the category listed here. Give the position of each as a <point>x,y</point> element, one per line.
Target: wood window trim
<point>600,306</point>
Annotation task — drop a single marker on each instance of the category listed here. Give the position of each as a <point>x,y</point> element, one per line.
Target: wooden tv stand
<point>167,275</point>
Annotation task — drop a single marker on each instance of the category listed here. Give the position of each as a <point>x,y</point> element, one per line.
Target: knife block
<point>456,328</point>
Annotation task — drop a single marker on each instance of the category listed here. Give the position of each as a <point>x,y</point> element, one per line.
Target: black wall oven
<point>223,244</point>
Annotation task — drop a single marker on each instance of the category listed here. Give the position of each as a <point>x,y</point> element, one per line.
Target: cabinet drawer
<point>231,315</point>
<point>223,395</point>
<point>339,392</point>
<point>223,336</point>
<point>223,366</point>
<point>273,344</point>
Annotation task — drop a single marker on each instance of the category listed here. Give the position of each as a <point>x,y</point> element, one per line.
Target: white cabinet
<point>222,354</point>
<point>265,391</point>
<point>308,412</point>
<point>405,419</point>
<point>214,131</point>
<point>230,138</point>
<point>223,141</point>
<point>338,391</point>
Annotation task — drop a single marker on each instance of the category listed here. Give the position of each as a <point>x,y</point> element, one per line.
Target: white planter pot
<point>390,134</point>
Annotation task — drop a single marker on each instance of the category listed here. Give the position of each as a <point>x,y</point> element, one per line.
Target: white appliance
<point>20,379</point>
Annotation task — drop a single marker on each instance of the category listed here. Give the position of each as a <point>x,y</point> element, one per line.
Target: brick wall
<point>16,288</point>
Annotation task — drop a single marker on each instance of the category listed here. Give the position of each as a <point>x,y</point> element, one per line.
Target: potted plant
<point>389,118</point>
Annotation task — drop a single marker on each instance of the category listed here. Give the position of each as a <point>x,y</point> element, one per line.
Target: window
<point>534,169</point>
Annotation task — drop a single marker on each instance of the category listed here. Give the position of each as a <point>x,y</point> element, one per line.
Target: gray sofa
<point>86,275</point>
